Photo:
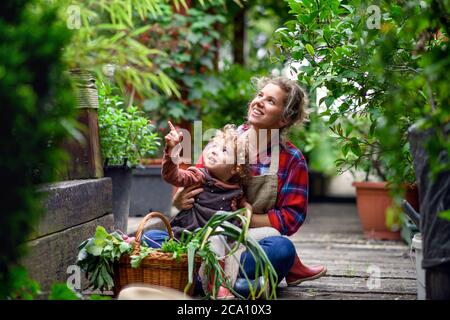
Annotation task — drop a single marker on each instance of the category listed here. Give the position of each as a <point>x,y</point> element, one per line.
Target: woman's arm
<point>260,220</point>
<point>256,220</point>
<point>290,209</point>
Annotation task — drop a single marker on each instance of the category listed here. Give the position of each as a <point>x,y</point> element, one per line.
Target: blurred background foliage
<point>106,41</point>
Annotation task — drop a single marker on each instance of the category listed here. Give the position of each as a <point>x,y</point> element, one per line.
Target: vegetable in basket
<point>98,255</point>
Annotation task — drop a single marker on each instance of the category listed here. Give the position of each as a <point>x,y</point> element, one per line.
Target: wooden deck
<point>332,236</point>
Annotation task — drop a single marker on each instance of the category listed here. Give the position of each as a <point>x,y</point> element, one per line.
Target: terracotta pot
<point>373,199</point>
<point>151,162</point>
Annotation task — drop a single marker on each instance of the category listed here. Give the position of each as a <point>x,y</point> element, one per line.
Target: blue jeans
<point>280,251</point>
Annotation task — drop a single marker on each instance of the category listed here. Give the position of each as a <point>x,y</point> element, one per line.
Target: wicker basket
<point>157,268</point>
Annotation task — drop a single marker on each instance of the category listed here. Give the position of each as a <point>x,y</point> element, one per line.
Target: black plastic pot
<point>149,192</point>
<point>121,185</point>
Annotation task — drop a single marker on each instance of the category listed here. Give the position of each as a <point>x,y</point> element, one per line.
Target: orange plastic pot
<point>373,200</point>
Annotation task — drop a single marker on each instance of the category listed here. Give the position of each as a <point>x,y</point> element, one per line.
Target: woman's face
<point>265,110</point>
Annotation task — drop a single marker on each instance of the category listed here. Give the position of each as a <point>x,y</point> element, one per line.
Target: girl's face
<point>219,160</point>
<point>265,110</point>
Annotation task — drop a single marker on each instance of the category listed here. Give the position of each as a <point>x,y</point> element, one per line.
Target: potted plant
<point>379,214</point>
<point>126,136</point>
<point>378,194</point>
<point>109,259</point>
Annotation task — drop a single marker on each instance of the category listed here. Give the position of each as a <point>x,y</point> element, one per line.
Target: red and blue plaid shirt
<point>291,205</point>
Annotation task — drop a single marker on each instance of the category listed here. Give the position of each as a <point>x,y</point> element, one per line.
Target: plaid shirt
<point>291,205</point>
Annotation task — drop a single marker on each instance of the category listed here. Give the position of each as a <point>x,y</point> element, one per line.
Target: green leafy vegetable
<point>97,255</point>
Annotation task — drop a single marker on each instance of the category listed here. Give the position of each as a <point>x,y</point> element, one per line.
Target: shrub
<point>37,108</point>
<point>378,80</point>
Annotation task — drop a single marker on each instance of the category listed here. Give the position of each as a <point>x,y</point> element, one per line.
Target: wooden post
<point>85,157</point>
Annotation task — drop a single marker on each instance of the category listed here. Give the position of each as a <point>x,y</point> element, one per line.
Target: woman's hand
<point>259,220</point>
<point>249,210</point>
<point>173,138</point>
<point>184,198</point>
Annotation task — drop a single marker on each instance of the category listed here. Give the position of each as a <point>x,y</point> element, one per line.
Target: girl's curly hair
<point>229,134</point>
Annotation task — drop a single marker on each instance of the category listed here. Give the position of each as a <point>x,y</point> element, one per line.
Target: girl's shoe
<point>224,294</point>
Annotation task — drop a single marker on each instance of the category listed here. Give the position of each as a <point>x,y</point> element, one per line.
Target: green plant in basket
<point>97,255</point>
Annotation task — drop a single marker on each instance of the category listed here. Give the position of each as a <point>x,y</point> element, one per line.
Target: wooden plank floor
<point>332,236</point>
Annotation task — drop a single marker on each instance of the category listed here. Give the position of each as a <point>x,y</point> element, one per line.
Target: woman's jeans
<point>280,251</point>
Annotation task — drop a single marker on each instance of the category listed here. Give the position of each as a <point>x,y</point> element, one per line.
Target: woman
<point>278,190</point>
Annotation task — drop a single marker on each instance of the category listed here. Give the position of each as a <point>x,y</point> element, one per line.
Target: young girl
<point>221,178</point>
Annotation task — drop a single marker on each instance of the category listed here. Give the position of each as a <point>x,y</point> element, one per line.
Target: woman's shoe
<point>300,273</point>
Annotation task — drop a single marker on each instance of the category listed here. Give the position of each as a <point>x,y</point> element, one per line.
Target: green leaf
<point>333,118</point>
<point>95,250</point>
<point>109,282</point>
<point>101,233</point>
<point>356,150</point>
<point>60,291</point>
<point>444,215</point>
<point>99,297</point>
<point>329,101</point>
<point>191,250</point>
<point>372,128</point>
<point>124,247</point>
<point>345,149</point>
<point>348,130</point>
<point>392,219</point>
<point>310,49</point>
<point>135,261</point>
<point>140,30</point>
<point>348,7</point>
<point>349,74</point>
